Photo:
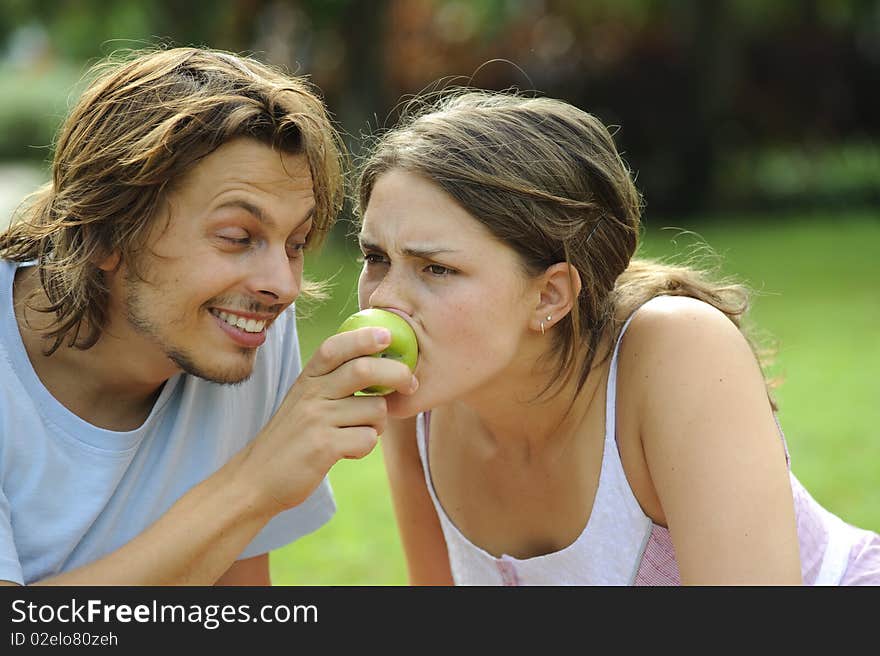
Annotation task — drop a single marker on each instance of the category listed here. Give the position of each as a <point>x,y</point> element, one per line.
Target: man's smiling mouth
<point>240,322</point>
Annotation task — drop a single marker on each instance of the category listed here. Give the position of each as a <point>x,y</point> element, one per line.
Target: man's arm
<point>250,571</point>
<point>179,549</point>
<point>194,543</point>
<point>319,422</point>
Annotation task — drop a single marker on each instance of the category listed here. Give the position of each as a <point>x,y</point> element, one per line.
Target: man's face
<point>227,261</point>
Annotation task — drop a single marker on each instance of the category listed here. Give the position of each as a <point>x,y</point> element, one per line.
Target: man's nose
<point>277,278</point>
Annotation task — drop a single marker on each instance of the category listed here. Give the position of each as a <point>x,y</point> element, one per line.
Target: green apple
<point>403,347</point>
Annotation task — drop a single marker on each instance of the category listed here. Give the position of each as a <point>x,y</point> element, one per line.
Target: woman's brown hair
<point>545,178</point>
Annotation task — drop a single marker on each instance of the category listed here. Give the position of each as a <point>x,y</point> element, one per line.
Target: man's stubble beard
<point>138,319</point>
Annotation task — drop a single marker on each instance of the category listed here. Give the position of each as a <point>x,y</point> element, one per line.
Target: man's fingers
<point>337,349</point>
<point>365,411</point>
<point>364,372</point>
<point>358,441</point>
<point>345,364</point>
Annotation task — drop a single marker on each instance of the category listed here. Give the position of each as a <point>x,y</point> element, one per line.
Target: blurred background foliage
<point>752,123</point>
<point>730,104</point>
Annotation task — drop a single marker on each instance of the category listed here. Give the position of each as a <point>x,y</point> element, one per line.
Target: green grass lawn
<point>817,279</point>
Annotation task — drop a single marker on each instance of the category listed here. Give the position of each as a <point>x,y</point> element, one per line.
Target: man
<point>155,427</point>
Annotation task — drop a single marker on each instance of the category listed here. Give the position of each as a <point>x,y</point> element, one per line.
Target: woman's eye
<point>372,258</point>
<point>438,270</point>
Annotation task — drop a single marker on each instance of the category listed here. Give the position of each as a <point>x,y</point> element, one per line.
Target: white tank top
<point>607,552</point>
<point>620,545</point>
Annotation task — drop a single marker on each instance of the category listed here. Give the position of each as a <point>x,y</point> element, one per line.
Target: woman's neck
<point>517,424</point>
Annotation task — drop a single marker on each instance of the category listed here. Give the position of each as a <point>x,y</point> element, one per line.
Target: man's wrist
<point>245,494</point>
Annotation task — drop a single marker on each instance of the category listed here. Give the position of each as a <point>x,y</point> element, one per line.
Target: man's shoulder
<point>7,270</point>
<point>282,342</point>
<point>8,267</point>
<point>7,274</point>
<point>12,390</point>
<point>285,324</point>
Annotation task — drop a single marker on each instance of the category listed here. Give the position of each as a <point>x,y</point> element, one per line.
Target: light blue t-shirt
<point>71,492</point>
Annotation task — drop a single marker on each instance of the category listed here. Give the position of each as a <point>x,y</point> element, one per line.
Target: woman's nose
<point>389,291</point>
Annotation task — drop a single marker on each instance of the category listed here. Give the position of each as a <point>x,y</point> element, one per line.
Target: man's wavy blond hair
<point>145,120</point>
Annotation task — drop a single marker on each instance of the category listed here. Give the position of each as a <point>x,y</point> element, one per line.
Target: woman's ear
<point>559,287</point>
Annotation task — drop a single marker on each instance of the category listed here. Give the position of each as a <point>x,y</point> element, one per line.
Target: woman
<point>582,417</point>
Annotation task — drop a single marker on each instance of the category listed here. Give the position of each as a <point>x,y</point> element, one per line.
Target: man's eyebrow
<point>426,252</point>
<point>309,215</point>
<point>250,208</point>
<point>258,213</point>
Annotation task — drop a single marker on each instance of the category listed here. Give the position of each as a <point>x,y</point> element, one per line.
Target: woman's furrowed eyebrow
<point>423,252</point>
<point>366,244</point>
<point>427,253</point>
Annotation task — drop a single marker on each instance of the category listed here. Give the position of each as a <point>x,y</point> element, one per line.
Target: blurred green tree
<point>703,91</point>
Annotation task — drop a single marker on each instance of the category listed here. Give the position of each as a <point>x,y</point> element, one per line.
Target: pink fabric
<point>864,568</point>
<point>812,533</point>
<point>813,526</point>
<point>658,566</point>
<point>507,569</point>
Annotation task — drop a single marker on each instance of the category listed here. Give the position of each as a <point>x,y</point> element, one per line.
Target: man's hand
<point>320,420</point>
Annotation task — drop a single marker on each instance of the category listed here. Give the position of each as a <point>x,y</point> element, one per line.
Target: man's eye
<point>294,250</point>
<point>236,237</point>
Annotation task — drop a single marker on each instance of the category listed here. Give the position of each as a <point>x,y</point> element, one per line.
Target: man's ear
<point>559,287</point>
<point>108,263</point>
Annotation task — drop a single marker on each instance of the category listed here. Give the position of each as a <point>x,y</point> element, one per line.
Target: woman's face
<point>464,292</point>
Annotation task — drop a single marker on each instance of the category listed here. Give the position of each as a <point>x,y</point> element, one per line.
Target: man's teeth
<point>247,325</point>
